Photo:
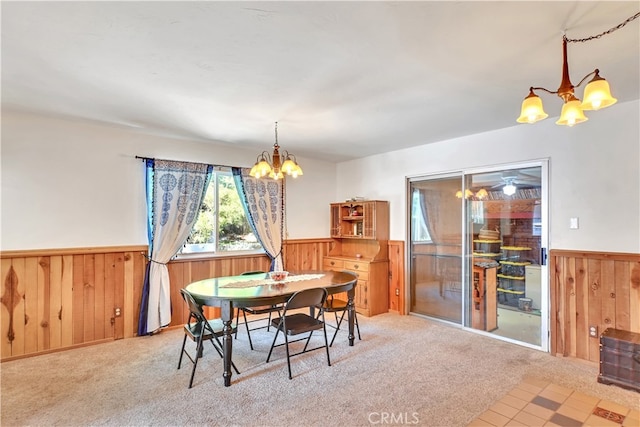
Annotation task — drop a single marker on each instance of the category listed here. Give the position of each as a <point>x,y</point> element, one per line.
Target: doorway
<point>477,242</point>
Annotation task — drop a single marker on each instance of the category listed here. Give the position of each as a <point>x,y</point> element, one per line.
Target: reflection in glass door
<point>503,217</point>
<point>435,227</point>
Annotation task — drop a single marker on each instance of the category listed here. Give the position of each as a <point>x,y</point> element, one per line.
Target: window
<point>419,229</point>
<point>222,225</point>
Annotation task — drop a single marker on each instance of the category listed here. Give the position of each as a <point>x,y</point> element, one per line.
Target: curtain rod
<point>208,164</point>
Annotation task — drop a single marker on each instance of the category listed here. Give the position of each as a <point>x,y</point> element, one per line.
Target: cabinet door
<point>361,299</point>
<point>369,220</point>
<point>335,220</point>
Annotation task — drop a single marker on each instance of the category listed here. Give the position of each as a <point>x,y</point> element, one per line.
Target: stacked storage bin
<point>511,289</point>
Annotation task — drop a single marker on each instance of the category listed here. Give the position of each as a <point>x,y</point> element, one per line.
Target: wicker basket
<point>486,234</point>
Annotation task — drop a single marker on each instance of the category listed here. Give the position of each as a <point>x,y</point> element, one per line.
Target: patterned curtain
<point>174,194</point>
<point>431,204</point>
<point>263,201</point>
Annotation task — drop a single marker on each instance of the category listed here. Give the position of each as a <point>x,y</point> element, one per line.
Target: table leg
<point>351,309</point>
<point>226,314</point>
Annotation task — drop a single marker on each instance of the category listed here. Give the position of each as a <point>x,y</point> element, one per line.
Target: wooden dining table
<point>258,289</point>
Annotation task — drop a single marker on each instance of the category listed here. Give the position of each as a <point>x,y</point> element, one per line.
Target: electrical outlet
<point>117,311</point>
<point>397,291</point>
<point>593,331</point>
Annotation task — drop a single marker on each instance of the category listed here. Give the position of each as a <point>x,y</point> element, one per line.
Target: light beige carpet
<point>409,368</point>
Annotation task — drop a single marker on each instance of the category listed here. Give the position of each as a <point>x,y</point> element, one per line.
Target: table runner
<point>248,283</point>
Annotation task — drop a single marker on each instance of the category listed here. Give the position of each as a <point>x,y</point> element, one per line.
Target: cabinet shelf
<point>487,255</point>
<point>504,276</point>
<point>510,291</point>
<point>518,263</point>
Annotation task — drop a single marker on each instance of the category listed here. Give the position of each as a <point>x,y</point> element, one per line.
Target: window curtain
<point>431,205</point>
<point>420,229</point>
<point>263,201</point>
<point>175,191</point>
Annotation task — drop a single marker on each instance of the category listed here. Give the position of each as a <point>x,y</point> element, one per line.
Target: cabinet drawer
<point>362,275</point>
<point>333,264</point>
<point>356,266</point>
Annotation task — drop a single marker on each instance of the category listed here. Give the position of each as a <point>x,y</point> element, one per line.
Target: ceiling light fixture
<point>273,165</point>
<point>596,94</point>
<point>482,194</point>
<point>467,193</point>
<point>509,189</point>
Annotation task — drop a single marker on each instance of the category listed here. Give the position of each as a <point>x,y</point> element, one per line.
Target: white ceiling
<point>343,79</point>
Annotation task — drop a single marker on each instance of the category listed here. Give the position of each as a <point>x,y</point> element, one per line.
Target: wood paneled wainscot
<point>56,299</point>
<point>591,289</point>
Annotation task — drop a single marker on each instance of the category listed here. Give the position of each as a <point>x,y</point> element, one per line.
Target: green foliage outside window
<point>225,228</point>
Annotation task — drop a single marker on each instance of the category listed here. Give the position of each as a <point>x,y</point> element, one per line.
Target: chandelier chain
<point>609,31</point>
<point>276,133</point>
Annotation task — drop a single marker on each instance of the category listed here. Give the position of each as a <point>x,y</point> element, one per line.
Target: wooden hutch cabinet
<point>360,230</point>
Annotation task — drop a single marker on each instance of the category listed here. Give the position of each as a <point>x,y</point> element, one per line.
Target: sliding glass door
<point>435,228</point>
<point>477,244</point>
<point>504,233</point>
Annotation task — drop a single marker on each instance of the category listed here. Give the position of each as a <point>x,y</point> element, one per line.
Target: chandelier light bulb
<point>532,111</point>
<point>597,94</point>
<point>571,114</point>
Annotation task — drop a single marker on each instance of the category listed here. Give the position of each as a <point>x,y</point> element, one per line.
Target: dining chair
<point>300,323</point>
<point>199,330</point>
<point>259,310</point>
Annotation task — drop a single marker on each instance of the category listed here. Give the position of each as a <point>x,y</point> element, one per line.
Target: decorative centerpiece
<point>278,276</point>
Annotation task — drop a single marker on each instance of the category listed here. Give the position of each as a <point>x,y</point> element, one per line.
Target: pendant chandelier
<point>597,94</point>
<point>275,166</point>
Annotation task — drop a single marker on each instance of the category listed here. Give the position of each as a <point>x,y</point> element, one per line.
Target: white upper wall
<point>594,174</point>
<point>75,184</point>
<point>69,184</point>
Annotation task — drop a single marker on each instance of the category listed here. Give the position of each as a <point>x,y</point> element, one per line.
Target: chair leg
<point>195,360</point>
<point>184,342</point>
<point>270,313</point>
<point>269,321</point>
<point>237,318</point>
<point>307,343</point>
<point>246,325</point>
<point>286,340</point>
<point>338,322</point>
<point>326,346</point>
<point>273,344</point>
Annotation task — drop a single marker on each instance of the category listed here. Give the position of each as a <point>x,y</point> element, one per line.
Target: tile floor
<point>537,403</point>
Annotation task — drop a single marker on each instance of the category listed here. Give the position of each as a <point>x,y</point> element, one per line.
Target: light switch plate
<point>573,223</point>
